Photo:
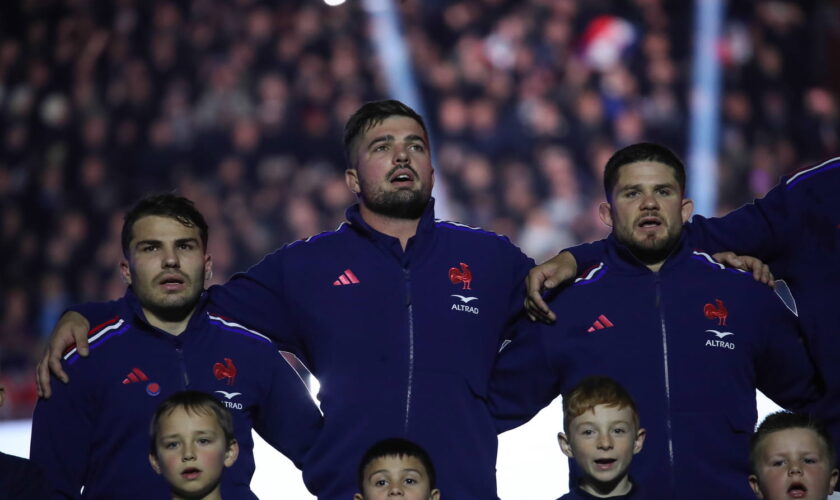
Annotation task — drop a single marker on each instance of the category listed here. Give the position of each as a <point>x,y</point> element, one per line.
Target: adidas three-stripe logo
<point>135,375</point>
<point>600,323</point>
<point>346,278</point>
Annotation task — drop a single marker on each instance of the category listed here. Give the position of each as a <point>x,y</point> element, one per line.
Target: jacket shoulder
<point>235,330</point>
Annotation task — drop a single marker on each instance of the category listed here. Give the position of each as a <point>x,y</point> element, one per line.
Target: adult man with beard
<point>688,338</point>
<point>397,314</point>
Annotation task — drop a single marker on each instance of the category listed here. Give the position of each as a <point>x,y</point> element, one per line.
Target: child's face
<point>192,452</point>
<point>396,476</point>
<point>792,463</point>
<point>603,442</point>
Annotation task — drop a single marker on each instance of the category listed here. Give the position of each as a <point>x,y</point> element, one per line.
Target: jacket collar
<point>134,314</point>
<point>620,258</point>
<point>416,245</point>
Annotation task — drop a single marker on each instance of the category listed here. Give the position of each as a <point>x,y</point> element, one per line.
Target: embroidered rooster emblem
<point>463,275</point>
<point>718,312</point>
<point>228,371</point>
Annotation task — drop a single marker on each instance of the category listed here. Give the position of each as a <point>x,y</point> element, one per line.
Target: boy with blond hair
<point>192,442</point>
<point>792,456</point>
<point>602,434</point>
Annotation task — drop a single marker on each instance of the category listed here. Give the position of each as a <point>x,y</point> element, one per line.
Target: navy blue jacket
<point>20,479</point>
<point>578,494</point>
<point>691,343</point>
<point>94,431</point>
<point>402,342</point>
<point>795,229</point>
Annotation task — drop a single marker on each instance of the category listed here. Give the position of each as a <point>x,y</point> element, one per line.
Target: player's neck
<point>174,324</point>
<point>402,229</point>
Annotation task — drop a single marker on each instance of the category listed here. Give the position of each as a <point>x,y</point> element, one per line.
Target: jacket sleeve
<point>97,312</point>
<point>520,265</point>
<point>784,370</point>
<point>523,380</point>
<point>758,229</point>
<point>257,298</point>
<point>587,254</point>
<point>62,430</point>
<point>288,418</point>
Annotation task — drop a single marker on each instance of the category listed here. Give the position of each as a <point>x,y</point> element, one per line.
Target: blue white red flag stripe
<point>808,172</point>
<point>237,328</point>
<point>98,333</point>
<point>591,275</point>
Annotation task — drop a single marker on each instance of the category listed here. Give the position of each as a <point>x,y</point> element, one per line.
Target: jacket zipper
<point>664,330</point>
<point>183,365</point>
<point>410,308</point>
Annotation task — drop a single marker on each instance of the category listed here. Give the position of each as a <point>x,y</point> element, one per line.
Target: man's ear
<point>435,495</point>
<point>605,213</point>
<point>358,496</point>
<point>753,479</point>
<point>232,453</point>
<point>686,209</point>
<point>154,463</point>
<point>125,272</point>
<point>208,267</point>
<point>565,446</point>
<point>640,440</point>
<point>351,178</point>
<point>833,479</point>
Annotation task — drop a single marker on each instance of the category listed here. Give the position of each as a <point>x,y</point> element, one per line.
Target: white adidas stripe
<point>99,334</point>
<point>237,325</point>
<point>591,273</point>
<point>793,177</point>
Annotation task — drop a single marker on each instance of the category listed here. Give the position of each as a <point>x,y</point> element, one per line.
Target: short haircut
<point>643,151</point>
<point>164,205</point>
<point>783,420</point>
<point>594,391</point>
<point>396,447</point>
<point>193,402</point>
<point>368,116</point>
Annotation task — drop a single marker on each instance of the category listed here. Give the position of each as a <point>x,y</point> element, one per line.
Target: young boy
<point>396,467</point>
<point>792,456</point>
<point>602,435</point>
<point>192,441</point>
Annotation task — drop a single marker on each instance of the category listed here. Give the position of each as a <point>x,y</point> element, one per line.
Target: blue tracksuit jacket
<point>691,343</point>
<point>578,494</point>
<point>94,431</point>
<point>795,229</point>
<point>402,342</point>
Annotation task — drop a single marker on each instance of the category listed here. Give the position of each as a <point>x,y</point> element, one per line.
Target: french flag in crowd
<point>605,40</point>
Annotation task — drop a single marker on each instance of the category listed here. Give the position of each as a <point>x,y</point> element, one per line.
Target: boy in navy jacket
<point>689,338</point>
<point>164,339</point>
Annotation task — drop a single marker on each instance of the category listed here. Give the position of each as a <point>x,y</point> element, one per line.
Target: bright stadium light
<point>333,3</point>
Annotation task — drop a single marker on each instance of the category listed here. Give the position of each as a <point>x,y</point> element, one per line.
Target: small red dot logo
<point>153,389</point>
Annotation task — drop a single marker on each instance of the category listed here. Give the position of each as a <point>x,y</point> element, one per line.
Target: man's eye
<point>186,246</point>
<point>664,192</point>
<point>204,441</point>
<point>410,480</point>
<point>810,460</point>
<point>619,430</point>
<point>417,147</point>
<point>170,445</point>
<point>381,147</point>
<point>381,483</point>
<point>777,463</point>
<point>149,248</point>
<point>587,432</point>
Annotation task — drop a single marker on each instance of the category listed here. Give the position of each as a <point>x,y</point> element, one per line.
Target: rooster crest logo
<point>463,275</point>
<point>717,311</point>
<point>227,370</point>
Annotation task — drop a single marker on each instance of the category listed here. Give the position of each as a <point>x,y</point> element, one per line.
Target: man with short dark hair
<point>690,339</point>
<point>397,314</point>
<point>161,338</point>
